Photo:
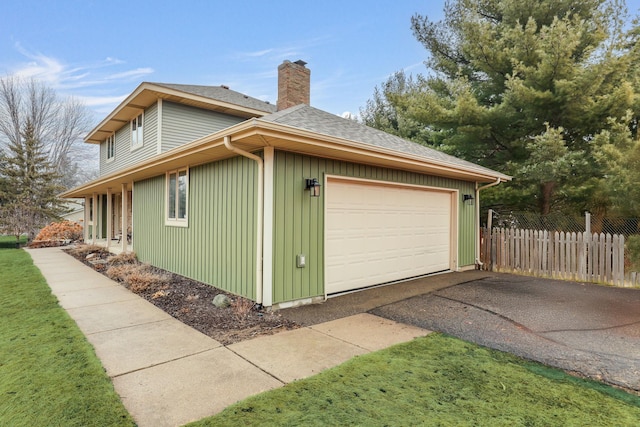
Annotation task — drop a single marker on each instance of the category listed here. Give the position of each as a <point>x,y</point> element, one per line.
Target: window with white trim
<point>177,197</point>
<point>136,132</point>
<point>111,147</point>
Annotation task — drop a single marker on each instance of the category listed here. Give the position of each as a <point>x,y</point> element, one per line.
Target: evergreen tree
<point>28,194</point>
<point>58,123</point>
<point>545,90</point>
<point>383,112</point>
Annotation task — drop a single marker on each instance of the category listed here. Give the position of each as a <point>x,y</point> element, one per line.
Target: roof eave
<point>255,134</point>
<point>478,174</point>
<point>98,134</point>
<point>184,151</point>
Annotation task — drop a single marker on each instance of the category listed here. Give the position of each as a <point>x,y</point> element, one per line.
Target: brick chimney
<point>293,84</point>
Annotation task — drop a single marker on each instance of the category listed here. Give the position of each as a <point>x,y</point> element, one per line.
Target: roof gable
<point>214,98</point>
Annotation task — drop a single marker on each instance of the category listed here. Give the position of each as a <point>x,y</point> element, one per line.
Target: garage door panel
<point>378,234</point>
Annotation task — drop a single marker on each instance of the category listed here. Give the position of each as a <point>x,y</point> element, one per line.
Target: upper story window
<point>136,132</point>
<point>111,147</point>
<point>177,197</point>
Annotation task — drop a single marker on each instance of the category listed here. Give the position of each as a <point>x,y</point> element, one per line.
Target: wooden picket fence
<point>572,256</point>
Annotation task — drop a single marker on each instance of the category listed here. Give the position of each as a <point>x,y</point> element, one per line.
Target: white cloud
<point>291,52</point>
<point>419,66</point>
<point>97,101</point>
<point>39,66</point>
<point>131,74</point>
<point>99,84</point>
<point>255,54</point>
<point>65,77</point>
<point>114,61</point>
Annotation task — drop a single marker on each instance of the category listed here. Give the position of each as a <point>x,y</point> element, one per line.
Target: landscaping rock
<point>221,301</point>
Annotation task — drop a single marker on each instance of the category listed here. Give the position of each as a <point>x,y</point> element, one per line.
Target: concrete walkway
<point>168,374</point>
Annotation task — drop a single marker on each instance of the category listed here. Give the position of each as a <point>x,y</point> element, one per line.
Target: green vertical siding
<point>299,219</point>
<point>219,245</point>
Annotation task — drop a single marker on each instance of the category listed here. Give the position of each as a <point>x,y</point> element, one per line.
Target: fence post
<point>601,258</point>
<point>582,257</point>
<point>494,242</point>
<point>619,261</point>
<point>587,222</point>
<point>487,249</point>
<point>556,254</point>
<point>609,258</point>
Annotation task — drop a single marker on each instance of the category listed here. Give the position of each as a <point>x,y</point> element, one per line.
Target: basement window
<point>177,183</point>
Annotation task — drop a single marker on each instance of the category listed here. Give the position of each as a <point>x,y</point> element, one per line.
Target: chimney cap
<point>300,62</point>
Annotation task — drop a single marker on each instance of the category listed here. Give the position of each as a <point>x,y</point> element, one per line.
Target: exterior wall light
<point>313,186</point>
<point>468,199</point>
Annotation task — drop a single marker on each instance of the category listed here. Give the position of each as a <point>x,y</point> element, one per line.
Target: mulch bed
<point>190,302</point>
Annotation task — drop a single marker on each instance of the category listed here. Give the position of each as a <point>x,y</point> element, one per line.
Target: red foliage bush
<point>59,231</point>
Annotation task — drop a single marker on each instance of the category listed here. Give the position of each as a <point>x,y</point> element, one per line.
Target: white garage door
<point>377,234</point>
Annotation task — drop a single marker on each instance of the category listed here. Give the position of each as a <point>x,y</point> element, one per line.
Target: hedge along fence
<point>572,256</point>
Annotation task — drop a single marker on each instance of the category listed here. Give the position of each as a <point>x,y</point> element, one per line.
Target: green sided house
<point>282,204</point>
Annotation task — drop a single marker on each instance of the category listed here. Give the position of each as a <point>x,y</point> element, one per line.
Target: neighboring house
<point>75,211</point>
<point>218,186</point>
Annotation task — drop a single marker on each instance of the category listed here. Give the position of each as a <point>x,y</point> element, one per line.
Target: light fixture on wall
<point>468,199</point>
<point>313,186</point>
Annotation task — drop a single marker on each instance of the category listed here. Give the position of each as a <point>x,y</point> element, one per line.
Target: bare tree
<point>58,123</point>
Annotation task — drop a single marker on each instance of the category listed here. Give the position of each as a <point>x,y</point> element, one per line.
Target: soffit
<point>254,135</point>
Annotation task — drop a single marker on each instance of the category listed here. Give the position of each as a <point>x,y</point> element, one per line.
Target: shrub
<point>124,258</point>
<point>60,232</point>
<point>84,250</point>
<point>633,252</point>
<point>242,308</point>
<point>137,277</point>
<point>121,272</point>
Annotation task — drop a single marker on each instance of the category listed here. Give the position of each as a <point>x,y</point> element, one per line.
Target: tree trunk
<point>546,194</point>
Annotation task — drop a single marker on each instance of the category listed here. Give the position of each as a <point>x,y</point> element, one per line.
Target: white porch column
<point>94,214</point>
<point>267,253</point>
<point>109,217</point>
<point>125,220</point>
<point>100,218</point>
<point>87,206</point>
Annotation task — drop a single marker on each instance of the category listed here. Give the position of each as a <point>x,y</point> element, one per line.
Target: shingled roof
<point>322,122</point>
<point>222,93</point>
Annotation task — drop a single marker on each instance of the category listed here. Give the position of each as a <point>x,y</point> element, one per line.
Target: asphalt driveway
<point>586,328</point>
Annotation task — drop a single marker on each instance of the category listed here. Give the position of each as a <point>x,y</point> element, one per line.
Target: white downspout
<point>260,162</point>
<point>478,263</point>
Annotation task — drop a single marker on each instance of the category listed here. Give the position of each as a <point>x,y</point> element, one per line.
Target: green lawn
<point>10,241</point>
<point>49,373</point>
<point>50,376</point>
<point>441,381</point>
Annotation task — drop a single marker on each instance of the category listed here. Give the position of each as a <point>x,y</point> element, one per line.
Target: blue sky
<point>100,51</point>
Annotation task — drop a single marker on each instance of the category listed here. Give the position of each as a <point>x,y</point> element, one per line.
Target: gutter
<point>497,181</point>
<point>259,225</point>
